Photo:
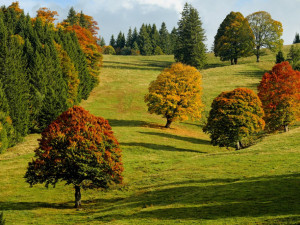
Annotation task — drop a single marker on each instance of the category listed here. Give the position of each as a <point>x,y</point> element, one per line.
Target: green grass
<point>172,176</point>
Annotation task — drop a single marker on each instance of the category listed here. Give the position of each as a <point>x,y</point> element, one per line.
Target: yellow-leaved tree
<point>176,94</point>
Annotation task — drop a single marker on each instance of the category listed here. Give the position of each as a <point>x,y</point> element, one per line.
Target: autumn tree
<point>79,149</point>
<point>267,32</point>
<point>279,91</point>
<point>176,94</point>
<point>46,15</point>
<point>234,116</point>
<point>234,38</point>
<point>190,48</point>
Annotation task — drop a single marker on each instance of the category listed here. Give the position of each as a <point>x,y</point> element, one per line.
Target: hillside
<point>171,175</point>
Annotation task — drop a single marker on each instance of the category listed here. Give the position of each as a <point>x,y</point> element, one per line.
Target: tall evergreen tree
<point>112,41</point>
<point>145,44</point>
<point>135,36</point>
<point>129,42</point>
<point>297,39</point>
<point>189,48</point>
<point>72,17</point>
<point>120,43</point>
<point>154,36</point>
<point>173,40</point>
<point>164,39</point>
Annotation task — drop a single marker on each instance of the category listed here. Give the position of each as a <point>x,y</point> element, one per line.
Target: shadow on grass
<point>181,138</point>
<point>143,65</point>
<point>159,147</point>
<point>33,205</point>
<point>127,123</point>
<point>252,74</point>
<point>215,65</point>
<point>254,197</point>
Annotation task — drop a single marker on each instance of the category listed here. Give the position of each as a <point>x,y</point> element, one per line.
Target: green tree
<point>120,43</point>
<point>164,39</point>
<point>279,57</point>
<point>154,36</point>
<point>297,39</point>
<point>112,41</point>
<point>173,40</point>
<point>234,116</point>
<point>293,55</point>
<point>80,149</point>
<point>267,32</point>
<point>72,17</point>
<point>189,48</point>
<point>234,38</point>
<point>145,44</point>
<point>129,42</point>
<point>176,94</point>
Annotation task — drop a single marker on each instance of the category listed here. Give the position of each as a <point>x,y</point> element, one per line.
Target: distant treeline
<point>148,41</point>
<point>44,69</point>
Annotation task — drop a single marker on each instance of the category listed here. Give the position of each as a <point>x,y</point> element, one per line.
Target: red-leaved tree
<point>80,149</point>
<point>279,92</point>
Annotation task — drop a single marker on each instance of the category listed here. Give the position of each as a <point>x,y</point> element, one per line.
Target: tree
<point>189,48</point>
<point>293,55</point>
<point>173,40</point>
<point>176,94</point>
<point>80,149</point>
<point>297,39</point>
<point>120,43</point>
<point>145,44</point>
<point>279,91</point>
<point>234,116</point>
<point>112,41</point>
<point>129,42</point>
<point>279,57</point>
<point>164,39</point>
<point>267,32</point>
<point>234,38</point>
<point>154,36</point>
<point>72,18</point>
<point>46,15</point>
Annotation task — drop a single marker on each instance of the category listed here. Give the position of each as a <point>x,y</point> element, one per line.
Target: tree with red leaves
<point>279,92</point>
<point>234,117</point>
<point>80,149</point>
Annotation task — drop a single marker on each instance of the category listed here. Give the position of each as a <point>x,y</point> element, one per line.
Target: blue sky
<point>118,15</point>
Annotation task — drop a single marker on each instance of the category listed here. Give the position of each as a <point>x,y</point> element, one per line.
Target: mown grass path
<point>172,176</point>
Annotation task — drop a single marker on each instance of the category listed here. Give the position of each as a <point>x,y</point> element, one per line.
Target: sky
<point>114,16</point>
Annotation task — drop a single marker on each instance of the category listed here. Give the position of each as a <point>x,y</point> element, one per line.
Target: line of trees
<point>44,69</point>
<point>147,41</point>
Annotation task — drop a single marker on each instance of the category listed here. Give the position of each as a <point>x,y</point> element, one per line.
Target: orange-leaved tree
<point>46,15</point>
<point>234,117</point>
<point>176,94</point>
<point>80,149</point>
<point>279,91</point>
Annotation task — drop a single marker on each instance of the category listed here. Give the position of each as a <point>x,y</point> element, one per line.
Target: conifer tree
<point>279,57</point>
<point>129,42</point>
<point>189,48</point>
<point>72,17</point>
<point>112,41</point>
<point>154,36</point>
<point>173,40</point>
<point>145,44</point>
<point>297,39</point>
<point>164,39</point>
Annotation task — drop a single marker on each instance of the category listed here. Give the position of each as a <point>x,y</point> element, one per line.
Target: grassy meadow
<point>172,176</point>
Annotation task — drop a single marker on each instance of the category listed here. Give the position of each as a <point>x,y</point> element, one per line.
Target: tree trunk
<point>257,54</point>
<point>286,128</point>
<point>77,197</point>
<point>169,121</point>
<point>231,61</point>
<point>235,61</point>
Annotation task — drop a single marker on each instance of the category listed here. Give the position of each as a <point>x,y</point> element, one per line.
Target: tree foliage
<point>78,148</point>
<point>279,91</point>
<point>189,47</point>
<point>279,57</point>
<point>176,94</point>
<point>267,32</point>
<point>234,38</point>
<point>234,116</point>
<point>296,39</point>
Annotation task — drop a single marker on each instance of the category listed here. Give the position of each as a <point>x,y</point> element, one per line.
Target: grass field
<point>172,176</point>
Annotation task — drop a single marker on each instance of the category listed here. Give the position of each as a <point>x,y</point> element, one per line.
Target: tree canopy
<point>78,148</point>
<point>279,91</point>
<point>190,48</point>
<point>234,116</point>
<point>176,94</point>
<point>267,32</point>
<point>234,38</point>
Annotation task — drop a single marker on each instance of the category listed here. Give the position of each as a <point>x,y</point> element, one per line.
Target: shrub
<point>109,50</point>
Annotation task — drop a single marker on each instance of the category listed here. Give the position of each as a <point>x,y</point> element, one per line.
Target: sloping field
<point>172,176</point>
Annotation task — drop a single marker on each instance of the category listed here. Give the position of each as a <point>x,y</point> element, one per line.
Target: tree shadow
<point>156,63</point>
<point>252,74</point>
<point>215,65</point>
<point>144,65</point>
<point>254,197</point>
<point>181,138</point>
<point>159,147</point>
<point>127,123</point>
<point>8,205</point>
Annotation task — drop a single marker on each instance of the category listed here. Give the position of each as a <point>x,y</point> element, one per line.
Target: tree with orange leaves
<point>46,15</point>
<point>80,149</point>
<point>279,91</point>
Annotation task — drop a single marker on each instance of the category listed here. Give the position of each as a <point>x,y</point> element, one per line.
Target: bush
<point>126,51</point>
<point>80,149</point>
<point>109,50</point>
<point>158,51</point>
